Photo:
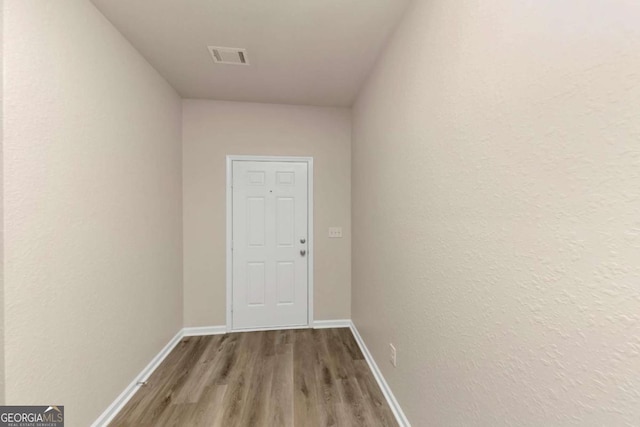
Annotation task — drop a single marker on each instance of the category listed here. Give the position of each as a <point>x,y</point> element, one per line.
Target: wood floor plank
<point>290,378</point>
<point>281,389</point>
<point>306,397</point>
<point>256,413</point>
<point>199,378</point>
<point>208,410</point>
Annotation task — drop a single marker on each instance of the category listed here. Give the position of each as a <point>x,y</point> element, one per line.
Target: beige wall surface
<point>496,213</point>
<point>93,230</point>
<point>211,131</point>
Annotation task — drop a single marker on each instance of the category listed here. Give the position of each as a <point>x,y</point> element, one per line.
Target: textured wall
<point>211,131</point>
<point>93,230</point>
<point>496,213</point>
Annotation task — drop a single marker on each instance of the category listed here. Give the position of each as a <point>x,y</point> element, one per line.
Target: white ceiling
<point>313,52</point>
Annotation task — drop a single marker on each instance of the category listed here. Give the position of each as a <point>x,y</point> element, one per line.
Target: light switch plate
<point>335,232</point>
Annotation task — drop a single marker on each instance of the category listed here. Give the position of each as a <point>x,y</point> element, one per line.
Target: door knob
<point>303,240</point>
<point>303,252</point>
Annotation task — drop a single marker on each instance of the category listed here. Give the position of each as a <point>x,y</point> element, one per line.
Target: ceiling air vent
<point>229,55</point>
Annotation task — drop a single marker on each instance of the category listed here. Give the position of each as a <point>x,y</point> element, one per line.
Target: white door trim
<point>310,252</point>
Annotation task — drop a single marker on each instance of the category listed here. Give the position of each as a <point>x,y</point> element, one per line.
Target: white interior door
<point>269,244</point>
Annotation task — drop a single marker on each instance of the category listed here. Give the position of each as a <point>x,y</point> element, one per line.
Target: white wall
<point>93,230</point>
<point>496,209</point>
<point>211,131</point>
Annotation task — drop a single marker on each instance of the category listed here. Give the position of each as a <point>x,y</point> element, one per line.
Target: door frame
<point>310,249</point>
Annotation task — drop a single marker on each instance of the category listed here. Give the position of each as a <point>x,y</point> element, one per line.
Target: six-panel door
<point>270,244</point>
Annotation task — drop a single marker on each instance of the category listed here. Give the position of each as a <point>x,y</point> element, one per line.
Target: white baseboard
<point>115,407</point>
<point>382,383</point>
<point>340,323</point>
<point>204,330</point>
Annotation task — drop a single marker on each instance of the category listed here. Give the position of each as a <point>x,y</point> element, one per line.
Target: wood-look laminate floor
<point>303,377</point>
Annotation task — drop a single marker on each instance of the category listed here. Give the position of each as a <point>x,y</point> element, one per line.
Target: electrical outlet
<point>392,355</point>
<point>335,232</point>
